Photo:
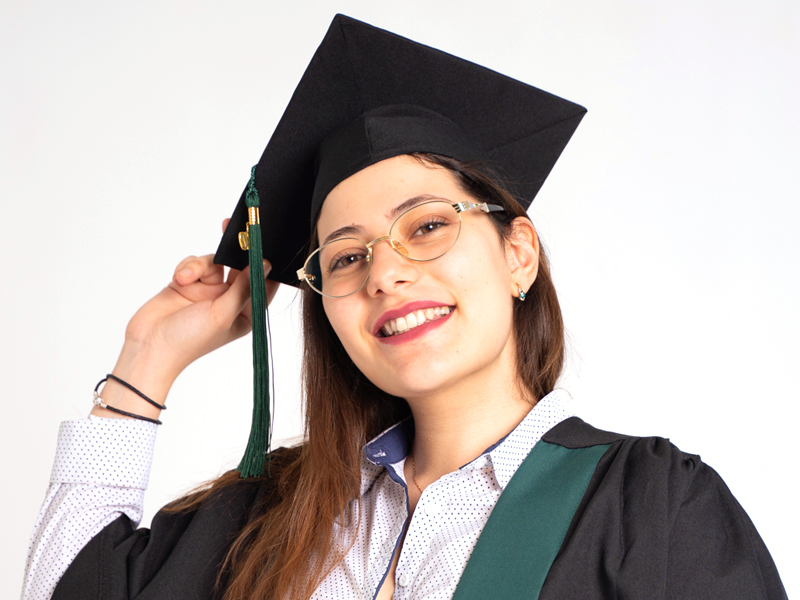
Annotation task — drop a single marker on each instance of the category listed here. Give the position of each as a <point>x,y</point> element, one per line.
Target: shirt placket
<point>422,531</point>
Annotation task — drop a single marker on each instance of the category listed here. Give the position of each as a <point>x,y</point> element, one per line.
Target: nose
<point>389,269</point>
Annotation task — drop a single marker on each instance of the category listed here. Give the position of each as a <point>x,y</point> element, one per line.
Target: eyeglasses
<point>421,234</point>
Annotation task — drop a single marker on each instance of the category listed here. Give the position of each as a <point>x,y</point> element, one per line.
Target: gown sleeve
<point>657,523</point>
<point>684,536</point>
<point>714,548</point>
<point>179,557</point>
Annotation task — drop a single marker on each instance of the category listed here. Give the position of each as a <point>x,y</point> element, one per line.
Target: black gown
<point>588,515</point>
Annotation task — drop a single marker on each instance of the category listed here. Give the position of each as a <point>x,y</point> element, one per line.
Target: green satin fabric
<point>523,535</point>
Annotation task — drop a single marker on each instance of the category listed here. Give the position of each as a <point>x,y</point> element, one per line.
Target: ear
<point>522,255</point>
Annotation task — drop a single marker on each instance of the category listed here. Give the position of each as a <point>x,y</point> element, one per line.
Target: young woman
<point>439,459</point>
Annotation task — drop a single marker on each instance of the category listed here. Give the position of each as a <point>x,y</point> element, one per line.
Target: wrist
<point>146,371</point>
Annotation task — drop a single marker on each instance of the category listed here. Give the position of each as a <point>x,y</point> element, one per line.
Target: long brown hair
<point>287,550</point>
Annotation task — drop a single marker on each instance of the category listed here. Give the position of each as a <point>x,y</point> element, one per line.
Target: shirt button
<point>403,580</point>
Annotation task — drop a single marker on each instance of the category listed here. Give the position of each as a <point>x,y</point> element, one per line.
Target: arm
<point>199,311</point>
<point>714,548</point>
<point>85,495</point>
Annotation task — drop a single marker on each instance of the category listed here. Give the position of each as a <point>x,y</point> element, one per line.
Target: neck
<point>454,426</point>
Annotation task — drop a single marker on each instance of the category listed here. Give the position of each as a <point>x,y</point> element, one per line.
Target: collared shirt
<point>447,521</point>
<point>102,467</point>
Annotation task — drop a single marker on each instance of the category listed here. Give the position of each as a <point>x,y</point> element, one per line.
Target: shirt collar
<point>506,455</point>
<point>387,448</point>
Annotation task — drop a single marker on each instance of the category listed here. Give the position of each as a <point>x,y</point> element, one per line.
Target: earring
<point>521,293</point>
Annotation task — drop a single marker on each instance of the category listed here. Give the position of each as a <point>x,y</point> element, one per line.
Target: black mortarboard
<point>368,95</point>
<point>448,105</point>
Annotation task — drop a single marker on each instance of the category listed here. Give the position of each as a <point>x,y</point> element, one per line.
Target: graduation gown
<point>588,515</point>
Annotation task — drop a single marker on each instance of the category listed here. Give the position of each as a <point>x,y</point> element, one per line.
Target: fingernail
<point>185,272</point>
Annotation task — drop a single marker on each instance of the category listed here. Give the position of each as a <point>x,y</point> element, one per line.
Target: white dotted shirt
<point>447,521</point>
<point>102,467</point>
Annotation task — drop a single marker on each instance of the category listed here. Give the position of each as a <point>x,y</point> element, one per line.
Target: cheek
<point>476,265</point>
<point>346,319</point>
<point>480,278</point>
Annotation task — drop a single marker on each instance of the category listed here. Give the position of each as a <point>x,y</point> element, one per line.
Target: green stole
<point>522,537</point>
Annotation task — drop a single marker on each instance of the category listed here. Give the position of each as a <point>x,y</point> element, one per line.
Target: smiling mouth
<point>413,319</point>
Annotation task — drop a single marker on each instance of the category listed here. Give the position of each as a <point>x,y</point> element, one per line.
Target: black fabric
<point>383,133</point>
<point>655,524</point>
<point>178,558</point>
<point>449,106</point>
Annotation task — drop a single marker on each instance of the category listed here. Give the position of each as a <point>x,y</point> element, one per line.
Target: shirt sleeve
<point>100,472</point>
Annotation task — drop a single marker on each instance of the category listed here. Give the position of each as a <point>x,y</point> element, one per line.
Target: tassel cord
<point>252,463</point>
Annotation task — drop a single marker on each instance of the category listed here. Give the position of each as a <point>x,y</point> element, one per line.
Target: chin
<point>419,377</point>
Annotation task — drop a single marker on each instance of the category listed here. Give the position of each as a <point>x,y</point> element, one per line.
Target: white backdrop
<point>127,131</point>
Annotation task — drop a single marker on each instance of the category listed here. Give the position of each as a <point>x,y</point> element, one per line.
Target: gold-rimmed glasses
<point>421,234</point>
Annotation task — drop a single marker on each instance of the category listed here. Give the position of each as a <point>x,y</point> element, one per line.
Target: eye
<point>345,260</point>
<point>430,226</point>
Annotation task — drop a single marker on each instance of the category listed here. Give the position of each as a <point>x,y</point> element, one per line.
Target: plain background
<point>127,131</point>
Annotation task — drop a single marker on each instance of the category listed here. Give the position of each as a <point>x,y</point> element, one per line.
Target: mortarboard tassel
<point>252,463</point>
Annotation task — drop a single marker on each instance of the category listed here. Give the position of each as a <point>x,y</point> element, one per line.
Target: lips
<point>407,317</point>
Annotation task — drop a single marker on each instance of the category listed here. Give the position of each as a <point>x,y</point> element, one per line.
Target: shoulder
<point>664,520</point>
<point>655,491</point>
<point>639,453</point>
<point>649,472</point>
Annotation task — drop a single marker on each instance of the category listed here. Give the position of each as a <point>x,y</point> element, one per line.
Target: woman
<point>426,295</point>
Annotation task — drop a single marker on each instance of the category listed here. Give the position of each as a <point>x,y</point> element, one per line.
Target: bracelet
<point>133,389</point>
<point>97,401</point>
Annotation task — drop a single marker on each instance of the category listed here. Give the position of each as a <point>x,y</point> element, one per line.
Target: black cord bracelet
<point>133,389</point>
<point>97,401</point>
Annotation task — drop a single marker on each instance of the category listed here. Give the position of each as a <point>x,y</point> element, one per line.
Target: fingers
<point>233,273</point>
<point>236,300</point>
<point>203,269</point>
<point>225,224</point>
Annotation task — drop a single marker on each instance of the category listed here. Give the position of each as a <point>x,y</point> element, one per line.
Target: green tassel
<point>252,463</point>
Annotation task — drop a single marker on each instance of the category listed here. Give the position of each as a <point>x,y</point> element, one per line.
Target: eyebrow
<point>390,216</point>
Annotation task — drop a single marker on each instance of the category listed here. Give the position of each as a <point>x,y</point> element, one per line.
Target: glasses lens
<point>339,268</point>
<point>428,230</point>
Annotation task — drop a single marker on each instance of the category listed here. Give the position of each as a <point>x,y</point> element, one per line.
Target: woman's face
<point>473,280</point>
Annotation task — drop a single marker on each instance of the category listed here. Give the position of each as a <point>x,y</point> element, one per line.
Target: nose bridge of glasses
<point>396,246</point>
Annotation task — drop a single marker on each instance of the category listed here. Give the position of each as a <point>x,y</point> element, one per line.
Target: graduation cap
<point>368,95</point>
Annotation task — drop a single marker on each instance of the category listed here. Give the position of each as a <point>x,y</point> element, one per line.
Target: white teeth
<point>413,319</point>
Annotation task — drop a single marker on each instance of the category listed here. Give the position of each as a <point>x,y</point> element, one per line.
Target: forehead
<point>367,198</point>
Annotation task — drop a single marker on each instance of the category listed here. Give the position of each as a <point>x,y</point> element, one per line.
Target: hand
<point>199,311</point>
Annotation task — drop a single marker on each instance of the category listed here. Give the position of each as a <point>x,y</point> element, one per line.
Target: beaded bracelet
<point>97,401</point>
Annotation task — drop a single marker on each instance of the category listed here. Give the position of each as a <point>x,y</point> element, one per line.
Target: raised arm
<point>200,310</point>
